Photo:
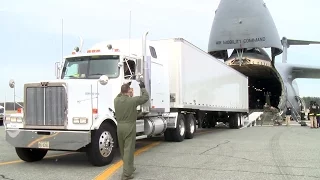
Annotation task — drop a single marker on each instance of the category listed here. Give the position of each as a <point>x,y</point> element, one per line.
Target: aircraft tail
<point>286,43</point>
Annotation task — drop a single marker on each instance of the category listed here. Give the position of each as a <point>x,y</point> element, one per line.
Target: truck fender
<point>171,119</point>
<point>103,118</point>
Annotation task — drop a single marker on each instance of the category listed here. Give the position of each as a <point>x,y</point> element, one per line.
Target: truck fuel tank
<point>154,125</point>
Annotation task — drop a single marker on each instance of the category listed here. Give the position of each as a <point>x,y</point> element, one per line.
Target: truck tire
<point>235,121</point>
<point>168,135</point>
<point>190,126</point>
<point>31,155</point>
<point>1,122</point>
<point>101,150</point>
<point>178,134</point>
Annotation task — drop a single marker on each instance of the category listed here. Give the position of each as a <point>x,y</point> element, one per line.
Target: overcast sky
<point>30,31</point>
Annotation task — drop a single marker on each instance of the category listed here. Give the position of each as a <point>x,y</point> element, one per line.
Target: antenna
<point>129,31</point>
<point>61,40</point>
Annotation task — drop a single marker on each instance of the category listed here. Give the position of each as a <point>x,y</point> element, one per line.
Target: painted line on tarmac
<point>47,157</point>
<point>113,168</point>
<point>109,171</point>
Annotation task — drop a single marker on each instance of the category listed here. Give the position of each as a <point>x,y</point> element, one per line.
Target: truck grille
<point>45,106</point>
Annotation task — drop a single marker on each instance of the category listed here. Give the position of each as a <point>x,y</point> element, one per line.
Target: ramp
<point>253,116</point>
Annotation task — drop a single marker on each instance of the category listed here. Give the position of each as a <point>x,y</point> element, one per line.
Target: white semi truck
<point>75,112</point>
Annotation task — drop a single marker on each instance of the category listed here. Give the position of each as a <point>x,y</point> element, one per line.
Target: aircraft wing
<point>301,42</point>
<point>302,71</point>
<point>305,71</point>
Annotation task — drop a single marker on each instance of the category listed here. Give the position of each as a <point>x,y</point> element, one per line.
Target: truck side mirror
<point>57,70</point>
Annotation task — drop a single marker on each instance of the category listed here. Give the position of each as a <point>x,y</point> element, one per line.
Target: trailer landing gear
<point>209,121</point>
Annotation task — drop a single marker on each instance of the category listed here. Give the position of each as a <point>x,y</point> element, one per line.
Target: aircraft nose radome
<point>243,24</point>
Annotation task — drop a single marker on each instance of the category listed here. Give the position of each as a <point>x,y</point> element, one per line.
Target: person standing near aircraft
<point>288,115</point>
<point>312,114</point>
<point>126,116</point>
<point>317,116</point>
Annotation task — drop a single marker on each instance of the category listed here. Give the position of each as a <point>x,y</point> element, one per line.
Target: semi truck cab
<point>75,112</point>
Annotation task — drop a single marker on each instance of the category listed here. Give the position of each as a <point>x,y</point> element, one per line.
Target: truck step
<point>141,137</point>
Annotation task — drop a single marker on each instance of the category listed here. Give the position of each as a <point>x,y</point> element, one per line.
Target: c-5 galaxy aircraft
<point>246,26</point>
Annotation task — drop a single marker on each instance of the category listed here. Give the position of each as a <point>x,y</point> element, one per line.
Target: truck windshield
<point>1,110</point>
<point>91,67</point>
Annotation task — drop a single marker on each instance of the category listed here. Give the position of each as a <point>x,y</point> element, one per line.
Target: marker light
<point>95,111</point>
<point>20,110</point>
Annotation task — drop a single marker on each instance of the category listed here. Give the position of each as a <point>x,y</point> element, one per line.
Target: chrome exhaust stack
<point>144,70</point>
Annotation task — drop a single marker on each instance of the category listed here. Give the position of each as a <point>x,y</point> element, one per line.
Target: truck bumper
<point>52,140</point>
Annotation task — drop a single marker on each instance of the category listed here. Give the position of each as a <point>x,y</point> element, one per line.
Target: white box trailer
<point>199,81</point>
<point>75,112</point>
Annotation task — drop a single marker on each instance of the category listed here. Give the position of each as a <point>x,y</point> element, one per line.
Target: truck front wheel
<point>101,150</point>
<point>31,155</point>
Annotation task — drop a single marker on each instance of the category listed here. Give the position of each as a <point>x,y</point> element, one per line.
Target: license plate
<point>43,144</point>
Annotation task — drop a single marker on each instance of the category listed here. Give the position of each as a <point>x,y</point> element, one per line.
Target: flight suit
<point>317,116</point>
<point>288,116</point>
<point>126,116</point>
<point>312,115</point>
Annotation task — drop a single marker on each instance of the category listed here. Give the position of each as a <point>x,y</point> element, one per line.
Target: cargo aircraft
<point>246,27</point>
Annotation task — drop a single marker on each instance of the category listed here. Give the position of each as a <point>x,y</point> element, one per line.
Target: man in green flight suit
<point>126,116</point>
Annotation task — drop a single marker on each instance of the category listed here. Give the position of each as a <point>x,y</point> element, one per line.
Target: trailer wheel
<point>101,150</point>
<point>31,155</point>
<point>235,121</point>
<point>178,134</point>
<point>190,126</point>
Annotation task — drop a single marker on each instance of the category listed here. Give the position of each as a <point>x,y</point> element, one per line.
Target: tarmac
<point>259,152</point>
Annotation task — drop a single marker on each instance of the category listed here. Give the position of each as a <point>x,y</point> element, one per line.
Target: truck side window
<point>153,52</point>
<point>126,68</point>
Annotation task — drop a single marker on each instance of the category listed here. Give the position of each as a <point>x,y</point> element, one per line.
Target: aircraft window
<point>153,52</point>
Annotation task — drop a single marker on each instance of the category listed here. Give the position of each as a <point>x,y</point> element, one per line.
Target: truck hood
<point>79,92</point>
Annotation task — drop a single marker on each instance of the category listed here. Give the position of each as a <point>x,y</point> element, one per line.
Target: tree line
<point>308,99</point>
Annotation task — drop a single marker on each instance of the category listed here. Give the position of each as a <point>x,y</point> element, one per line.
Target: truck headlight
<point>14,119</point>
<point>80,120</point>
<point>19,119</point>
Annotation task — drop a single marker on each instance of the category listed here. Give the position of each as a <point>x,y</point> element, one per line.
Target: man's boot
<point>126,177</point>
